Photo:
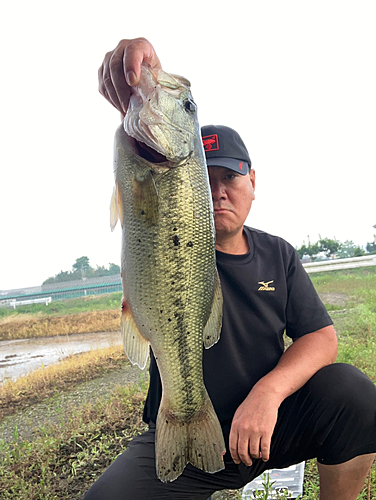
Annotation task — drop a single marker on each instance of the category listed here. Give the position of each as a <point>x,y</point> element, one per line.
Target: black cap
<point>224,148</point>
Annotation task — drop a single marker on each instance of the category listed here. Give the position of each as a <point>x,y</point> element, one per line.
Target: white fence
<point>15,303</point>
<point>333,265</point>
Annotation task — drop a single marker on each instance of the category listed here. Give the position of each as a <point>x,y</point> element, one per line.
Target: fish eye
<point>189,106</point>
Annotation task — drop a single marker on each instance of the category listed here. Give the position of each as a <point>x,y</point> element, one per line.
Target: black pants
<point>331,418</point>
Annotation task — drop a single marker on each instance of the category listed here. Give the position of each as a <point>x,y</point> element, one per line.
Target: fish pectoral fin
<point>115,208</point>
<point>145,199</point>
<point>136,347</point>
<point>198,441</point>
<point>212,330</point>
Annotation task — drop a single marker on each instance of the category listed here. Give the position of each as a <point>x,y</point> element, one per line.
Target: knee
<point>347,387</point>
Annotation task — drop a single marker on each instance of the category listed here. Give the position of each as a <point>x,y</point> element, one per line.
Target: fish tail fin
<point>198,441</point>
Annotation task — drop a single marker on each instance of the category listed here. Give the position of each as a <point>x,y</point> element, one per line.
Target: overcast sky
<point>297,79</point>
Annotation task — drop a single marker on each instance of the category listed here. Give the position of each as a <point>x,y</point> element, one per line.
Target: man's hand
<point>121,69</point>
<point>255,419</point>
<point>252,427</point>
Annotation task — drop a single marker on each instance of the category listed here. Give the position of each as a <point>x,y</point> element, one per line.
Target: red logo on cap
<point>210,142</point>
<point>241,165</point>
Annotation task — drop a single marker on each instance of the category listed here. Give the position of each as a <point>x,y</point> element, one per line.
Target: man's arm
<point>254,421</point>
<point>121,69</point>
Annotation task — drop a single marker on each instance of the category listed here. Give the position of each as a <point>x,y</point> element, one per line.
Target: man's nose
<point>218,190</point>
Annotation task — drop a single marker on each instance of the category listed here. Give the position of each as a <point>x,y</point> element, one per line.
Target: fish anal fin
<point>198,441</point>
<point>212,330</point>
<point>135,345</point>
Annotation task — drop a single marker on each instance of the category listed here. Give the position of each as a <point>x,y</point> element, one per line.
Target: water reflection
<point>17,357</point>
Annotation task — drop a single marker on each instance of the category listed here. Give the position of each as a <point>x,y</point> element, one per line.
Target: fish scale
<point>172,296</point>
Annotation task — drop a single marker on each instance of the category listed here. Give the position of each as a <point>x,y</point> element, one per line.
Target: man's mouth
<point>220,210</point>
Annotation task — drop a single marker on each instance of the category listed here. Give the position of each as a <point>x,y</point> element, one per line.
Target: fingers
<point>244,446</point>
<point>109,83</point>
<point>138,51</point>
<point>121,68</point>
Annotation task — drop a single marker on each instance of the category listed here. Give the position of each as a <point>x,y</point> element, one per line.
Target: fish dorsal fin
<point>136,347</point>
<point>212,330</point>
<point>116,211</point>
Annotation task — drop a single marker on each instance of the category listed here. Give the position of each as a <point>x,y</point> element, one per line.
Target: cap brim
<point>241,167</point>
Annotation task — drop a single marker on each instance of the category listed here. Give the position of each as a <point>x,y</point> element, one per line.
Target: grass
<point>42,383</point>
<point>23,327</point>
<point>356,326</point>
<point>89,303</point>
<point>83,315</point>
<point>68,457</point>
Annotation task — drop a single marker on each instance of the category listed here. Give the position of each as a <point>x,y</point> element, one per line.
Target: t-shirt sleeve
<point>305,312</point>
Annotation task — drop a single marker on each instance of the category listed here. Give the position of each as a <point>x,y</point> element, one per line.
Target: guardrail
<point>336,264</point>
<point>15,303</point>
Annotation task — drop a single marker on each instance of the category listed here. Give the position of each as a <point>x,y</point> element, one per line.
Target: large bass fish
<point>172,296</point>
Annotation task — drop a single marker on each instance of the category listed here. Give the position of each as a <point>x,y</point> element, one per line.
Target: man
<point>276,408</point>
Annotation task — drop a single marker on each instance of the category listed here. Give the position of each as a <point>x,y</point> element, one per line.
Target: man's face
<point>232,195</point>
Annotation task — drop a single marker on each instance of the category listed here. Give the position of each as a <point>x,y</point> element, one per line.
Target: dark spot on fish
<point>175,463</point>
<point>161,312</point>
<point>190,244</point>
<point>142,212</point>
<point>139,241</point>
<point>169,319</point>
<point>176,240</point>
<point>172,282</point>
<point>166,421</point>
<point>199,454</point>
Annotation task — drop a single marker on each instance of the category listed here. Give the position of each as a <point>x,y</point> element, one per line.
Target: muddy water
<point>18,357</point>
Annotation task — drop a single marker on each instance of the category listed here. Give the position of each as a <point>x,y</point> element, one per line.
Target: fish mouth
<point>149,154</point>
<point>155,157</point>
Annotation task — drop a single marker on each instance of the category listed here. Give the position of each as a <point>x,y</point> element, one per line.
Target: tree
<point>82,264</point>
<point>308,250</point>
<point>81,268</point>
<point>349,249</point>
<point>371,247</point>
<point>114,268</point>
<point>328,246</point>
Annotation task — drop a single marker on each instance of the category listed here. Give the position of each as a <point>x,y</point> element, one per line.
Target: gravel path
<point>53,410</point>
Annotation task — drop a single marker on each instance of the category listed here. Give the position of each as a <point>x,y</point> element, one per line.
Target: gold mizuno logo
<point>265,286</point>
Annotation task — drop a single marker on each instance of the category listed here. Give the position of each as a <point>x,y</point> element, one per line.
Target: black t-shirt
<point>265,292</point>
